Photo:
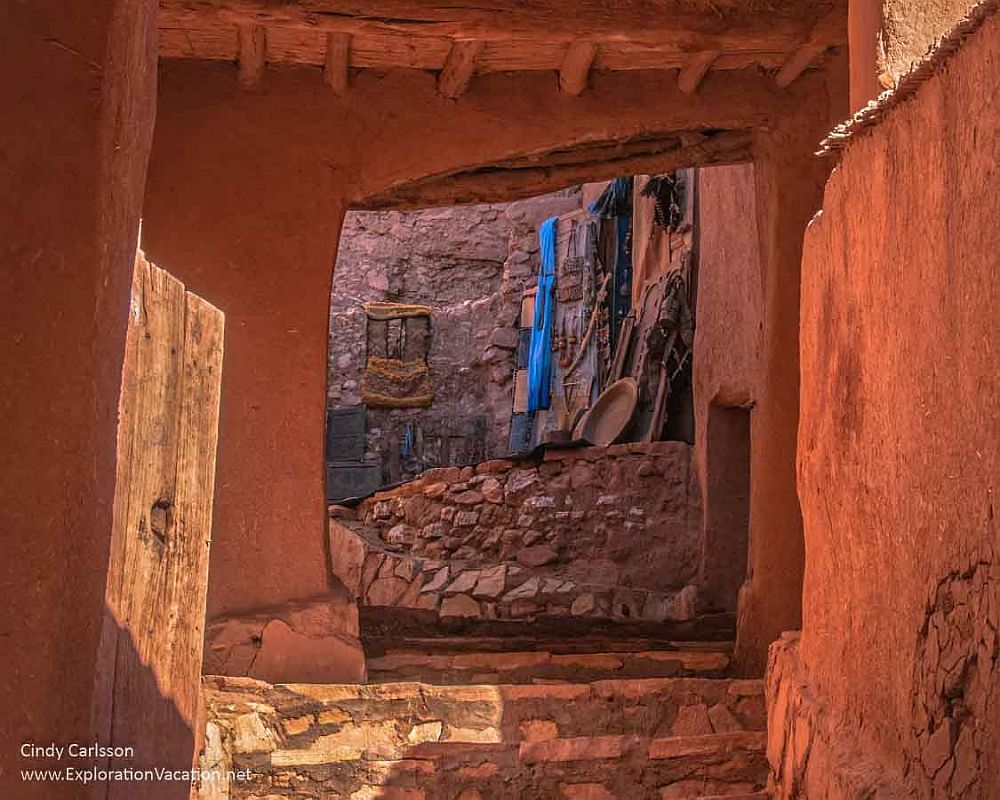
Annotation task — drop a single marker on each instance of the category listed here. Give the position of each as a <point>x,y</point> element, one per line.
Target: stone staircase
<point>599,716</point>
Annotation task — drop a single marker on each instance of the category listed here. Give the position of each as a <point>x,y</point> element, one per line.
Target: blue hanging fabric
<point>540,354</point>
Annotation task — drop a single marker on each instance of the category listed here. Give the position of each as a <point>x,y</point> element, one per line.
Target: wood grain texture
<point>575,67</point>
<point>158,572</point>
<point>547,35</point>
<point>338,61</point>
<point>642,20</point>
<point>252,54</point>
<point>458,68</point>
<point>691,75</point>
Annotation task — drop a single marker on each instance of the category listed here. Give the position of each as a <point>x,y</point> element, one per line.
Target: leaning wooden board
<point>158,573</point>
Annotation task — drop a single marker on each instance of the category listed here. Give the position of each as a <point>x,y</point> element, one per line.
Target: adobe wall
<point>788,183</point>
<point>78,105</point>
<point>726,360</point>
<point>245,194</point>
<point>470,264</point>
<point>898,452</point>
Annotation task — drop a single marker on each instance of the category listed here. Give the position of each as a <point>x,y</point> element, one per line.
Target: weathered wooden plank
<point>158,573</point>
<point>252,55</point>
<point>338,61</point>
<point>694,70</point>
<point>458,68</point>
<point>388,49</point>
<point>575,68</point>
<point>784,22</point>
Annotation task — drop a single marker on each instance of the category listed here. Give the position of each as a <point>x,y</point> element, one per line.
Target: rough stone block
<point>460,605</point>
<point>537,556</point>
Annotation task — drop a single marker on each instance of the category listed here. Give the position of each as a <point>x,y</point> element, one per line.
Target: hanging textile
<point>393,383</point>
<point>380,310</point>
<point>540,355</point>
<point>393,380</point>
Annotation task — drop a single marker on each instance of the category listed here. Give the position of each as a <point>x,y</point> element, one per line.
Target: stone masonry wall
<point>471,264</point>
<point>604,532</point>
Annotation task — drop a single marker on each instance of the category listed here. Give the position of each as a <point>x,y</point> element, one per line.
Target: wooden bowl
<point>610,415</point>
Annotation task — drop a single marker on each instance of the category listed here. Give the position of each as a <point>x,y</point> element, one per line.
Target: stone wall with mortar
<point>898,452</point>
<point>669,738</point>
<point>596,532</point>
<point>471,264</point>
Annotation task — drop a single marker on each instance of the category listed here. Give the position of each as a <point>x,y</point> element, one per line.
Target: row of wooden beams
<point>462,62</point>
<point>514,180</point>
<point>252,58</point>
<point>715,24</point>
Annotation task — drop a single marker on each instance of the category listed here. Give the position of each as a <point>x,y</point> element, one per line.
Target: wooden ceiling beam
<point>252,57</point>
<point>732,24</point>
<point>338,61</point>
<point>458,68</point>
<point>502,182</point>
<point>575,69</point>
<point>693,72</point>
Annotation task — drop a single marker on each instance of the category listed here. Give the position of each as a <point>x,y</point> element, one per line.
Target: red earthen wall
<point>898,446</point>
<point>788,185</point>
<point>252,223</point>
<point>726,350</point>
<point>243,203</point>
<point>78,102</point>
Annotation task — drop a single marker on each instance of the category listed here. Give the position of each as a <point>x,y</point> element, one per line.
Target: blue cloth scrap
<point>540,354</point>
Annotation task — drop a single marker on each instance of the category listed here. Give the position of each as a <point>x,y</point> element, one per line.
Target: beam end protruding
<point>458,68</point>
<point>797,63</point>
<point>575,69</point>
<point>338,61</point>
<point>252,55</point>
<point>694,71</point>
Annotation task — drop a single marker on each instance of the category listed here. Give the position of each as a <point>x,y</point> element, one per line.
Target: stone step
<point>526,639</point>
<point>543,664</point>
<point>384,629</point>
<point>593,768</point>
<point>737,796</point>
<point>658,738</point>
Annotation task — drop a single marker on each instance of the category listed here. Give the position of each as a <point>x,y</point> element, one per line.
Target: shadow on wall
<point>156,739</point>
<point>727,505</point>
